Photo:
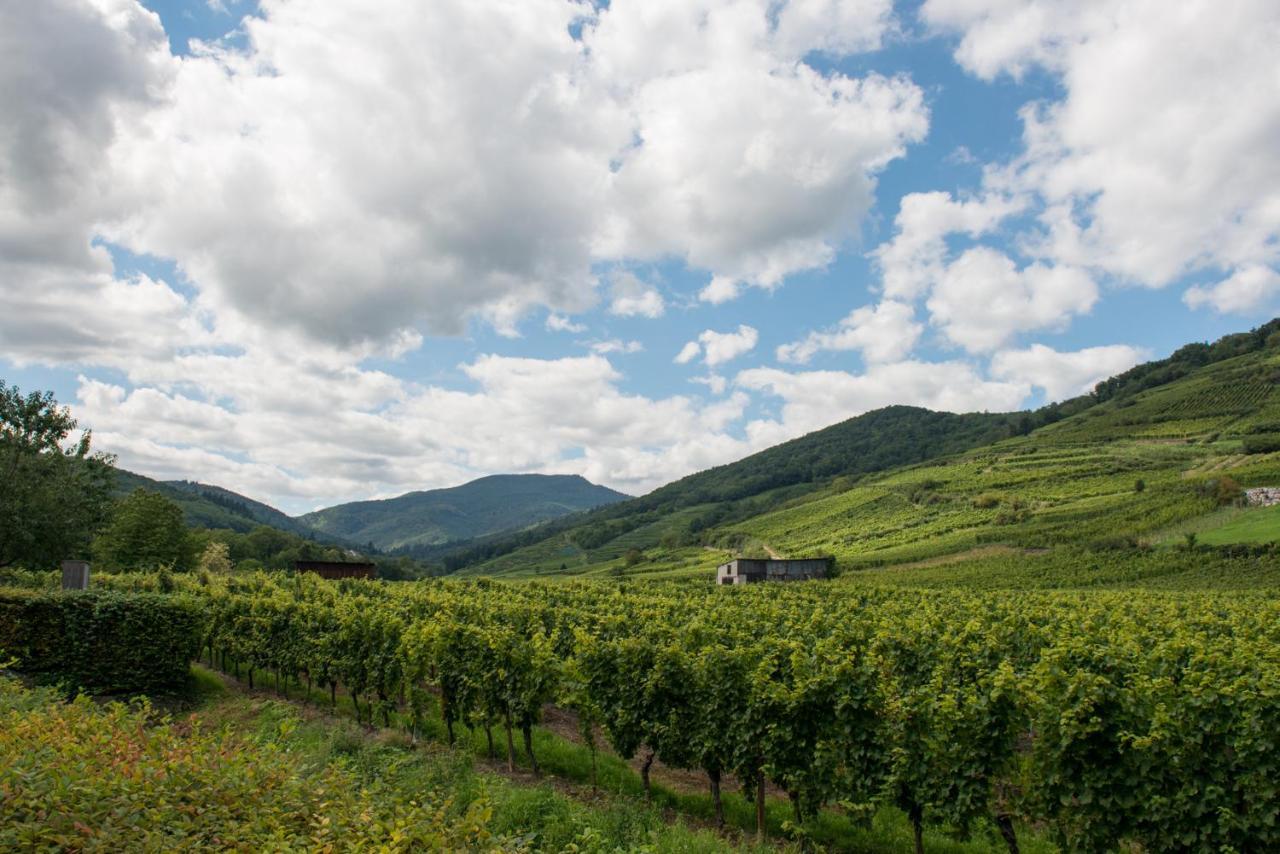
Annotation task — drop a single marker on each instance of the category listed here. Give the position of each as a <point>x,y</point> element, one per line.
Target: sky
<point>325,250</point>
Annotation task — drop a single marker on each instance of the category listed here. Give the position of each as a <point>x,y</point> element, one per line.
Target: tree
<point>216,558</point>
<point>54,497</point>
<point>146,532</point>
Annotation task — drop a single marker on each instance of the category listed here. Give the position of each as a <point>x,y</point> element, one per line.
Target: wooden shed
<point>751,570</point>
<point>337,568</point>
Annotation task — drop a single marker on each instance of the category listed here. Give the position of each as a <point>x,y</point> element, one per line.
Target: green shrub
<point>986,501</point>
<point>1223,490</point>
<point>82,777</point>
<point>101,640</point>
<point>1263,443</point>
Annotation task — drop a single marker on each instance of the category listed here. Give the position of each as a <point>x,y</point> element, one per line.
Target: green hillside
<point>1155,452</point>
<point>680,514</point>
<point>207,506</point>
<point>484,506</point>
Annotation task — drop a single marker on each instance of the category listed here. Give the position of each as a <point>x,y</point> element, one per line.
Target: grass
<point>562,809</point>
<point>538,814</point>
<point>1249,525</point>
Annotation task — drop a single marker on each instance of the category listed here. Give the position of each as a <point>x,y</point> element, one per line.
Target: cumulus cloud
<point>719,347</point>
<point>914,259</point>
<point>714,382</point>
<point>1064,374</point>
<point>560,323</point>
<point>883,333</point>
<point>633,298</point>
<point>350,175</point>
<point>688,353</point>
<point>816,399</point>
<point>983,299</point>
<point>304,434</point>
<point>615,345</point>
<point>1160,158</point>
<point>755,171</point>
<point>1247,289</point>
<point>67,316</point>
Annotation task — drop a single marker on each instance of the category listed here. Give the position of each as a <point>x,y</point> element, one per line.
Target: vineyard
<point>1066,640</point>
<point>1073,482</point>
<point>1107,717</point>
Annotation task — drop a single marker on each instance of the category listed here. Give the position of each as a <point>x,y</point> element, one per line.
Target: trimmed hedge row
<point>101,640</point>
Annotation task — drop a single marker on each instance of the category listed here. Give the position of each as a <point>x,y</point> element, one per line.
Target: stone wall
<point>1262,496</point>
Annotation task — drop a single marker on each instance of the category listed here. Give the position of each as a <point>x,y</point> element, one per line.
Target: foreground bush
<point>79,776</point>
<point>102,640</point>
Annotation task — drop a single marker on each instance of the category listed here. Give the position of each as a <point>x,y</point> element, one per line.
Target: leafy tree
<point>216,558</point>
<point>146,532</point>
<point>54,497</point>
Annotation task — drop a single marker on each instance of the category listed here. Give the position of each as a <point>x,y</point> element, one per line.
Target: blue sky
<point>318,252</point>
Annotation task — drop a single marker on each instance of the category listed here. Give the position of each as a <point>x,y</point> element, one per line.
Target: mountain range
<point>417,519</point>
<point>485,506</point>
<point>903,482</point>
<point>1215,399</point>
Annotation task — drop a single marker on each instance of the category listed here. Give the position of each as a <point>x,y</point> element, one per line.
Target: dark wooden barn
<point>750,571</point>
<point>337,568</point>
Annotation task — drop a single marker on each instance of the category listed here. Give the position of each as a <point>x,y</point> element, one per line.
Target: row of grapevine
<point>1113,718</point>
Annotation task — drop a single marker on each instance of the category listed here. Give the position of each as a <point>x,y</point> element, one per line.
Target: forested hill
<point>207,506</point>
<point>1225,385</point>
<point>879,440</point>
<point>484,506</point>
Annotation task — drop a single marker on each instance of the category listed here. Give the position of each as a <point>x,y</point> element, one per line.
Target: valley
<point>1034,617</point>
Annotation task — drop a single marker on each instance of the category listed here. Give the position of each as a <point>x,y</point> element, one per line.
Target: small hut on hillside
<point>750,570</point>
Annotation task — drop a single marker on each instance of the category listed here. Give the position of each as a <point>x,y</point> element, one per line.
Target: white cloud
<point>69,316</point>
<point>983,299</point>
<point>754,202</point>
<point>719,347</point>
<point>688,353</point>
<point>714,382</point>
<point>913,261</point>
<point>883,333</point>
<point>345,180</point>
<point>302,435</point>
<point>632,297</point>
<point>352,176</point>
<point>816,399</point>
<point>1248,289</point>
<point>720,289</point>
<point>1160,158</point>
<point>836,27</point>
<point>1063,375</point>
<point>615,345</point>
<point>748,164</point>
<point>560,323</point>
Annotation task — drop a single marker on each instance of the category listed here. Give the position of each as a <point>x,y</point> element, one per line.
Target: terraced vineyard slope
<point>1142,463</point>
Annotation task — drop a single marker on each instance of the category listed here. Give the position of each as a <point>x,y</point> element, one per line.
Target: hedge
<point>104,641</point>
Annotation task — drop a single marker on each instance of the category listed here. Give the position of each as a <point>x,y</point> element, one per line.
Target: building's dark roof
<point>760,561</point>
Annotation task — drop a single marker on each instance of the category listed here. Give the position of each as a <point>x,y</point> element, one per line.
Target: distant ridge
<point>1123,465</point>
<point>207,506</point>
<point>506,502</point>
